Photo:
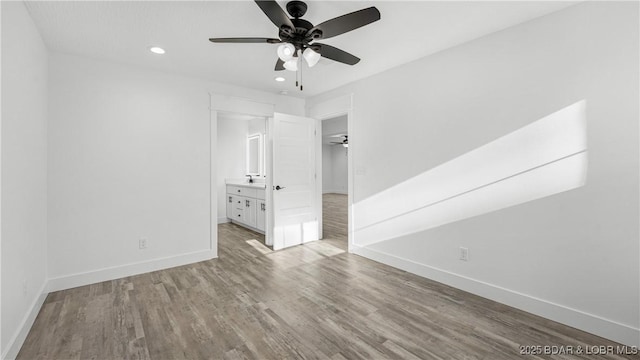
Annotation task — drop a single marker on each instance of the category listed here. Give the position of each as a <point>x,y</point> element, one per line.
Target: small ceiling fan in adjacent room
<point>297,37</point>
<point>344,142</point>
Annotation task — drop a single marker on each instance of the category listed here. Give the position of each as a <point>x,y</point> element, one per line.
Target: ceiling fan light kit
<point>291,64</point>
<point>286,51</point>
<point>311,57</point>
<point>296,35</point>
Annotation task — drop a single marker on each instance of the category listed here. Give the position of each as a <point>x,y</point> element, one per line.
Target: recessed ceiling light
<point>279,79</point>
<point>157,50</point>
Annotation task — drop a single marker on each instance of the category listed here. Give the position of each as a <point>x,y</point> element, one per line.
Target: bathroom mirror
<point>254,155</point>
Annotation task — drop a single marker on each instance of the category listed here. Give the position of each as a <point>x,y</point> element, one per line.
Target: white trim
<point>16,342</point>
<point>92,277</point>
<point>318,176</point>
<point>594,324</point>
<point>269,223</point>
<point>234,104</point>
<point>351,237</point>
<point>331,107</point>
<point>213,178</point>
<point>223,220</point>
<point>117,272</point>
<point>328,109</point>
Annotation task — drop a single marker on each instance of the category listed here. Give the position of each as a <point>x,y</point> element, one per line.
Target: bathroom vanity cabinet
<point>246,205</point>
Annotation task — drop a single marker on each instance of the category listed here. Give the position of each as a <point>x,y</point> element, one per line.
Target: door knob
<point>278,187</point>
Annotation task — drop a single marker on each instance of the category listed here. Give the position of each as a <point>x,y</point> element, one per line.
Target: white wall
<point>129,157</point>
<point>327,168</point>
<point>257,126</point>
<point>339,162</point>
<point>572,257</point>
<point>333,126</point>
<point>334,169</point>
<point>232,151</point>
<point>334,158</point>
<point>24,177</point>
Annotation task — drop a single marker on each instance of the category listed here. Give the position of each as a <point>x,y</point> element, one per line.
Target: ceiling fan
<point>297,36</point>
<point>344,142</point>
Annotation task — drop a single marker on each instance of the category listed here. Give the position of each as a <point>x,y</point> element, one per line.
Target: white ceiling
<point>122,31</point>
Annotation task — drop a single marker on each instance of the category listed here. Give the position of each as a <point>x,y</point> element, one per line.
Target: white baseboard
<point>223,220</point>
<point>594,324</point>
<point>14,345</point>
<point>117,272</point>
<point>92,277</point>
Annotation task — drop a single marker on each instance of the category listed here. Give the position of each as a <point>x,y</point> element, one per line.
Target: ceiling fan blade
<point>336,54</point>
<point>246,40</point>
<point>346,23</point>
<point>279,65</point>
<point>275,13</point>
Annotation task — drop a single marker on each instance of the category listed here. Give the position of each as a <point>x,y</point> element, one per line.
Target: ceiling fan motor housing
<point>297,9</point>
<point>300,36</point>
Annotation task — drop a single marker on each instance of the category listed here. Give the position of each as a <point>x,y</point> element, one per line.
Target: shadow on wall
<point>546,157</point>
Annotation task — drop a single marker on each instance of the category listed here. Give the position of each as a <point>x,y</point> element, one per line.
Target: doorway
<point>241,173</point>
<point>265,179</point>
<point>335,180</point>
<point>294,214</point>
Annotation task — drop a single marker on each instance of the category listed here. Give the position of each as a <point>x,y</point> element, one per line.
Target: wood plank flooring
<point>334,219</point>
<point>313,301</point>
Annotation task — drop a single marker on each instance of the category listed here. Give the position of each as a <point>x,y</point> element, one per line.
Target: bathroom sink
<point>245,182</point>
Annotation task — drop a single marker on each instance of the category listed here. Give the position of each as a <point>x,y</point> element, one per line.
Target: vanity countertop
<point>245,183</point>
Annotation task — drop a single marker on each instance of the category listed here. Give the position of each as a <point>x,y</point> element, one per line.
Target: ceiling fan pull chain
<point>301,64</point>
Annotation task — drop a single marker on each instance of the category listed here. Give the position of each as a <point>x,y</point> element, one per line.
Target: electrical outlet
<point>464,254</point>
<point>24,288</point>
<point>142,243</point>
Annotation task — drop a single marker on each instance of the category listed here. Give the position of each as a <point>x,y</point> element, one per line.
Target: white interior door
<point>294,184</point>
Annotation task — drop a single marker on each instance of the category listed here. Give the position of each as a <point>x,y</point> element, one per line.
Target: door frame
<point>328,109</point>
<point>226,103</point>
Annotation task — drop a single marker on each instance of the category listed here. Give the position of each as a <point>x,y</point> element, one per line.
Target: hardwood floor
<point>313,301</point>
<point>334,216</point>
